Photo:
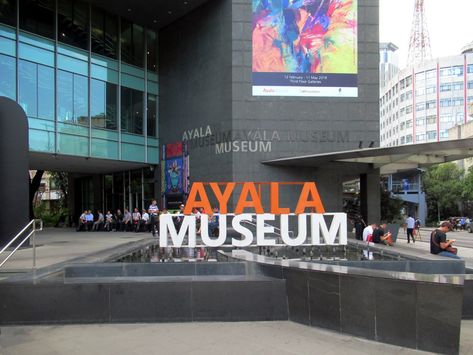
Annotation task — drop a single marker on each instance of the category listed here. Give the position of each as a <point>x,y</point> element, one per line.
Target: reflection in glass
<point>64,96</point>
<point>8,12</point>
<point>72,98</point>
<point>73,23</point>
<point>151,110</point>
<point>81,100</point>
<point>132,110</point>
<point>37,16</point>
<point>104,33</point>
<point>28,86</point>
<point>152,54</point>
<point>132,43</point>
<point>7,76</point>
<point>103,105</point>
<point>45,92</point>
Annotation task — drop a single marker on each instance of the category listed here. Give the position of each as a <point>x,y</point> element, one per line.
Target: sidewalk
<point>56,245</point>
<point>422,247</point>
<point>239,338</point>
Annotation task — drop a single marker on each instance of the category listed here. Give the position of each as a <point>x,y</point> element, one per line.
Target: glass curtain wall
<point>60,62</point>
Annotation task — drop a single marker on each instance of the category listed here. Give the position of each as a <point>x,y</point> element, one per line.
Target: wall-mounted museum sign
<point>254,223</point>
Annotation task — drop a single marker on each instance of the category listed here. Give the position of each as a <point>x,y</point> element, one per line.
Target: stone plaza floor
<point>239,338</point>
<point>59,245</point>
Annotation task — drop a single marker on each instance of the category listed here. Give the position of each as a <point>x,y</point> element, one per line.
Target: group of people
<point>459,223</point>
<point>378,234</point>
<point>439,244</point>
<point>126,221</point>
<point>145,221</point>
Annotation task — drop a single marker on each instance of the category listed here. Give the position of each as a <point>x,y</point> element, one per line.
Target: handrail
<point>32,234</point>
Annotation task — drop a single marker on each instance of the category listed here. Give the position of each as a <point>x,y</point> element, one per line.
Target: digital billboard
<point>305,48</point>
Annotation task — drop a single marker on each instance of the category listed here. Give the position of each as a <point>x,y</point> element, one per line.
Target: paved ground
<point>272,338</point>
<point>464,243</point>
<point>56,245</point>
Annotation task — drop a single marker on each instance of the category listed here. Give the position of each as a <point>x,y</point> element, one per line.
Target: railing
<point>33,228</point>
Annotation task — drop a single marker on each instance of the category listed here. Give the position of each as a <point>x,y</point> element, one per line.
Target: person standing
<point>153,211</point>
<point>410,224</point>
<point>368,232</point>
<point>440,245</point>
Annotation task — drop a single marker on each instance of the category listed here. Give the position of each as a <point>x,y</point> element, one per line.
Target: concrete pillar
<point>14,164</point>
<point>370,197</point>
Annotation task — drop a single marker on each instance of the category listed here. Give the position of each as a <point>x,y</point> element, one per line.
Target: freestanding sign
<point>313,226</point>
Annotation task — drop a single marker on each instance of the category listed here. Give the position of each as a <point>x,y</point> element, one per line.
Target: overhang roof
<point>388,159</point>
<point>153,14</point>
<point>74,164</point>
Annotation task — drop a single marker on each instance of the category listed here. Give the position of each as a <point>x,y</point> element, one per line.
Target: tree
<point>467,192</point>
<point>33,188</point>
<point>443,186</point>
<point>60,181</point>
<point>390,207</point>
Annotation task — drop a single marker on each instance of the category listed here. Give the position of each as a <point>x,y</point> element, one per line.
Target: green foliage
<point>60,182</point>
<point>444,188</point>
<point>50,217</point>
<point>390,207</point>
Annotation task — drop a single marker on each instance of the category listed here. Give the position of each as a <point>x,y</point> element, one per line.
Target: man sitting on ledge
<point>381,237</point>
<point>440,245</point>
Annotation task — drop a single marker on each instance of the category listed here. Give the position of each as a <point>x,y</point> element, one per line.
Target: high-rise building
<point>388,63</point>
<point>422,103</point>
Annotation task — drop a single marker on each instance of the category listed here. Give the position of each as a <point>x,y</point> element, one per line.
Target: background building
<point>422,103</point>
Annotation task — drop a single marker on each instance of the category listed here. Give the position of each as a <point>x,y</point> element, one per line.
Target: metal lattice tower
<point>419,44</point>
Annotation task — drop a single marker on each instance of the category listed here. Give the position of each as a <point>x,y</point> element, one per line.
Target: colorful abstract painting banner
<point>305,48</point>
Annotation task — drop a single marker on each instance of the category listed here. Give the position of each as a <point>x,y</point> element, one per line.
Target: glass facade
<point>61,63</point>
<point>37,16</point>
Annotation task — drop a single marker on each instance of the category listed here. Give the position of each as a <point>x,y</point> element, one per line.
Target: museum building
<point>139,99</point>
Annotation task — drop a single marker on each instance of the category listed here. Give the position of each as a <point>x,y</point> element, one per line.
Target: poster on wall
<point>173,172</point>
<point>305,48</point>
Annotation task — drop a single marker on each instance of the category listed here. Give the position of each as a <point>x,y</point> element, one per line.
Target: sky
<point>448,22</point>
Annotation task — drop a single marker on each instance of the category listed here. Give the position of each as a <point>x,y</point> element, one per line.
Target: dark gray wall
<point>195,84</point>
<point>13,169</point>
<point>205,79</point>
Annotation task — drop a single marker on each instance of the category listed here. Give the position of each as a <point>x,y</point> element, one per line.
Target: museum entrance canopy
<point>388,159</point>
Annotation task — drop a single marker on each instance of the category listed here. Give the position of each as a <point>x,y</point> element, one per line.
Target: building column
<point>370,197</point>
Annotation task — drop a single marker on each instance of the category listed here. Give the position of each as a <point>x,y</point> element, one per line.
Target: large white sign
<point>312,229</point>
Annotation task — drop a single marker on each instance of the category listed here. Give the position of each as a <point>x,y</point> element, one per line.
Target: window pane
<point>7,77</point>
<point>37,16</point>
<point>73,23</point>
<point>138,46</point>
<point>45,92</point>
<point>64,96</point>
<point>152,54</point>
<point>132,110</point>
<point>111,106</point>
<point>81,100</point>
<point>97,103</point>
<point>126,42</point>
<point>151,115</point>
<point>103,106</point>
<point>8,12</point>
<point>28,88</point>
<point>104,33</point>
<point>132,41</point>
